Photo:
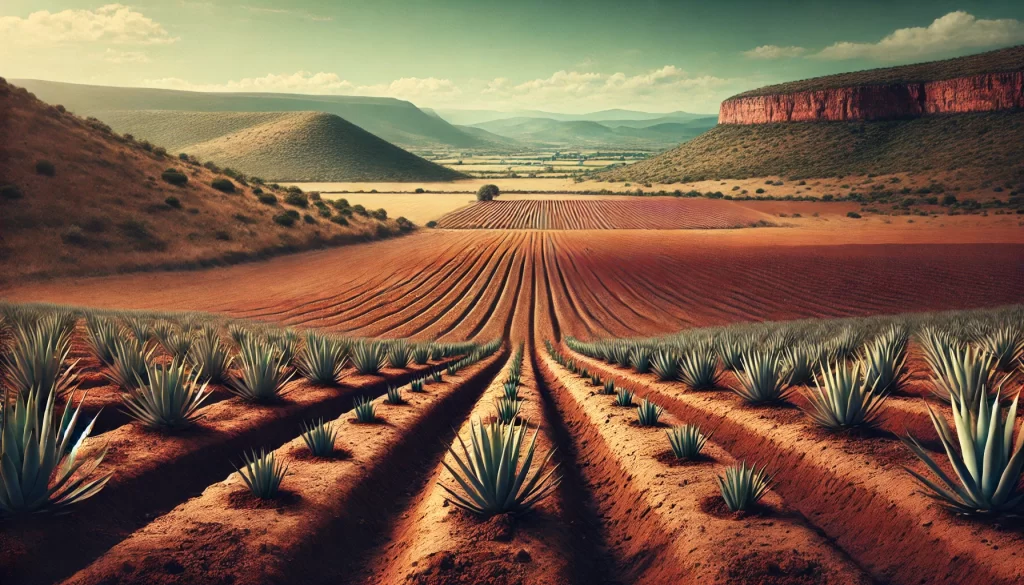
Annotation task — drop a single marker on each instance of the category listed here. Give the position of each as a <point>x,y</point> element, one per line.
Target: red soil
<point>653,213</point>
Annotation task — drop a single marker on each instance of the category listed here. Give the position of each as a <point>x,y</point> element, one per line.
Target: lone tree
<point>487,192</point>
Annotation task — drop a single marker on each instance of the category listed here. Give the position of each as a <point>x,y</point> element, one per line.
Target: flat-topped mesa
<point>976,93</point>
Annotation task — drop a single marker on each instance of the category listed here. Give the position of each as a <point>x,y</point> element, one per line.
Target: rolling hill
<point>280,146</point>
<point>396,121</point>
<point>474,117</point>
<point>654,133</point>
<point>77,199</point>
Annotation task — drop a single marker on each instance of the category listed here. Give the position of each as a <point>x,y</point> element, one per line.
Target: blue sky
<point>567,56</point>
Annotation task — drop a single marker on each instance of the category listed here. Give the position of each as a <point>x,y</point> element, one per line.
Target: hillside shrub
<point>853,214</point>
<point>340,220</point>
<point>360,210</point>
<point>224,185</point>
<point>431,224</point>
<point>173,202</point>
<point>308,218</point>
<point>267,198</point>
<point>404,224</point>
<point>487,192</point>
<point>10,192</point>
<point>284,219</point>
<point>419,190</point>
<point>296,198</point>
<point>45,167</point>
<point>174,177</point>
<point>182,157</point>
<point>73,235</point>
<point>380,214</point>
<point>340,204</point>
<point>314,195</point>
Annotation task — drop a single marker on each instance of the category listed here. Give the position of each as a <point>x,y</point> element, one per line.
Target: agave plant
<point>179,343</point>
<point>40,468</point>
<point>507,409</point>
<point>885,364</point>
<point>799,362</point>
<point>262,474</point>
<point>698,369</point>
<point>421,353</point>
<point>286,343</point>
<point>395,395</point>
<point>453,368</point>
<point>621,353</point>
<point>510,391</point>
<point>762,379</point>
<point>436,376</point>
<point>319,436</point>
<point>130,366</point>
<point>623,397</point>
<point>399,354</point>
<point>1006,345</point>
<point>665,365</point>
<point>608,388</point>
<point>169,397</point>
<point>37,359</point>
<point>365,410</point>
<point>648,413</point>
<point>368,358</point>
<point>320,360</point>
<point>210,359</point>
<point>640,359</point>
<point>494,477</point>
<point>988,463</point>
<point>846,343</point>
<point>416,385</point>
<point>687,441</point>
<point>238,333</point>
<point>731,351</point>
<point>263,373</point>
<point>962,371</point>
<point>138,326</point>
<point>161,332</point>
<point>743,486</point>
<point>847,400</point>
<point>102,337</point>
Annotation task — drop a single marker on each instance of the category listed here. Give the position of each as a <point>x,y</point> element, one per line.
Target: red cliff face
<point>979,93</point>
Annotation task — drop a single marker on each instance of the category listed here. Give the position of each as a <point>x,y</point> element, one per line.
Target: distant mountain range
<point>477,117</point>
<point>654,132</point>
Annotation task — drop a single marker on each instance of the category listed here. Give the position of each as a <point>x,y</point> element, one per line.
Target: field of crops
<point>661,213</point>
<point>298,429</point>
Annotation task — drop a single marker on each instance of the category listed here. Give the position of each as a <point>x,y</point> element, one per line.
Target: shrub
<point>45,167</point>
<point>37,356</point>
<point>493,476</point>
<point>665,365</point>
<point>798,362</point>
<point>743,486</point>
<point>308,218</point>
<point>962,371</point>
<point>130,366</point>
<point>761,380</point>
<point>399,354</point>
<point>686,441</point>
<point>357,208</point>
<point>417,384</point>
<point>340,220</point>
<point>39,473</point>
<point>380,214</point>
<point>173,202</point>
<point>10,192</point>
<point>853,214</point>
<point>988,463</point>
<point>648,413</point>
<point>222,184</point>
<point>404,224</point>
<point>169,399</point>
<point>431,224</point>
<point>321,360</point>
<point>263,474</point>
<point>284,219</point>
<point>174,177</point>
<point>210,359</point>
<point>319,437</point>
<point>1006,345</point>
<point>369,358</point>
<point>267,198</point>
<point>298,199</point>
<point>699,368</point>
<point>102,338</point>
<point>487,192</point>
<point>394,395</point>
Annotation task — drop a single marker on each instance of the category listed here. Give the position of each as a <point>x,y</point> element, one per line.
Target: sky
<point>568,56</point>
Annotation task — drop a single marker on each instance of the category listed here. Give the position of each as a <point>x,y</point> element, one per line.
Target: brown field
<point>842,510</point>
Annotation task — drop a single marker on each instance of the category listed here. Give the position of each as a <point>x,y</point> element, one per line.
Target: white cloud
<point>113,24</point>
<point>774,52</point>
<point>956,30</point>
<point>115,56</point>
<point>666,88</point>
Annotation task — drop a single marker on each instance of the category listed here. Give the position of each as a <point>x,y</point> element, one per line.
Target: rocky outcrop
<point>977,93</point>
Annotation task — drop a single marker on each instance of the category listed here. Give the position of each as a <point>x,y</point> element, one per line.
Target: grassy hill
<point>992,143</point>
<point>77,198</point>
<point>1003,60</point>
<point>652,133</point>
<point>396,121</point>
<point>280,146</point>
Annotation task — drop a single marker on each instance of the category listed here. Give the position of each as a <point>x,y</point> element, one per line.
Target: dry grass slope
<point>1003,60</point>
<point>101,204</point>
<point>989,142</point>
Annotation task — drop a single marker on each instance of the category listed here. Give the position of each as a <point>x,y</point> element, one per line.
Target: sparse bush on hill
<point>142,237</point>
<point>182,157</point>
<point>296,198</point>
<point>73,235</point>
<point>340,220</point>
<point>10,192</point>
<point>314,195</point>
<point>45,167</point>
<point>340,203</point>
<point>404,224</point>
<point>173,202</point>
<point>853,214</point>
<point>174,177</point>
<point>431,224</point>
<point>487,192</point>
<point>267,198</point>
<point>284,219</point>
<point>224,185</point>
<point>308,218</point>
<point>360,210</point>
<point>380,214</point>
